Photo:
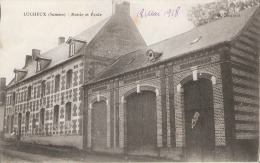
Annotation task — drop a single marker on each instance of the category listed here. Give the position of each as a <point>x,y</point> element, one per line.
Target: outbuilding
<point>194,96</point>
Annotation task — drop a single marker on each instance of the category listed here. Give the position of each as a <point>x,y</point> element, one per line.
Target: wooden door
<point>141,122</point>
<point>199,120</point>
<point>99,136</point>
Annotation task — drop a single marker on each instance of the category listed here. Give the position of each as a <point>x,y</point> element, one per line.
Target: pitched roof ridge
<point>122,56</point>
<point>45,53</point>
<point>257,10</point>
<point>202,26</point>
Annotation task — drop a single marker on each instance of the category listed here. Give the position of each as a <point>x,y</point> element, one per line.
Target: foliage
<point>203,14</point>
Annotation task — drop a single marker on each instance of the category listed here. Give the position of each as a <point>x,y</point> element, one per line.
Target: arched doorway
<point>99,136</point>
<point>19,126</point>
<point>199,120</point>
<point>141,123</point>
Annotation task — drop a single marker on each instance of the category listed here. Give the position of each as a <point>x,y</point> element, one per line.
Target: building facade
<point>2,105</point>
<point>44,100</point>
<point>192,97</point>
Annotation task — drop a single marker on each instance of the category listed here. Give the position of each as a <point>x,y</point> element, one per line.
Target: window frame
<point>68,115</point>
<point>38,66</point>
<point>56,115</point>
<point>27,121</point>
<point>42,118</point>
<point>72,50</point>
<point>43,88</point>
<point>29,93</point>
<point>13,98</point>
<point>69,75</point>
<point>57,83</point>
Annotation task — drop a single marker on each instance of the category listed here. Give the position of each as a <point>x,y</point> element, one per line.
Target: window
<point>29,93</point>
<point>33,121</point>
<point>56,117</point>
<point>12,123</point>
<point>42,113</point>
<point>72,50</point>
<point>22,97</point>
<point>27,121</point>
<point>57,83</point>
<point>13,98</point>
<point>195,40</point>
<point>43,85</point>
<point>38,66</point>
<point>68,112</point>
<point>69,78</point>
<point>7,124</point>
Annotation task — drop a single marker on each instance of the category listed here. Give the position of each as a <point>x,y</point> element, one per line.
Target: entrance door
<point>199,120</point>
<point>99,126</point>
<point>19,126</point>
<point>141,123</point>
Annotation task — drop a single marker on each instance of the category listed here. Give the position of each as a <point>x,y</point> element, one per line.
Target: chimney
<point>2,90</point>
<point>2,84</point>
<point>121,7</point>
<point>61,40</point>
<point>28,59</point>
<point>35,53</point>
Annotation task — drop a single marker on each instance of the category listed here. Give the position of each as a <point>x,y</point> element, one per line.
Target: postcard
<point>129,80</point>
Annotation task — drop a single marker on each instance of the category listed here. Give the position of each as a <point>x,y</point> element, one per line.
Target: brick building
<point>2,105</point>
<point>193,97</point>
<point>44,100</point>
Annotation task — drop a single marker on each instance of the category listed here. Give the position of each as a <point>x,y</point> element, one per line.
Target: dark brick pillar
<point>112,113</point>
<point>228,100</point>
<point>117,112</point>
<point>163,104</point>
<point>171,105</point>
<point>85,118</point>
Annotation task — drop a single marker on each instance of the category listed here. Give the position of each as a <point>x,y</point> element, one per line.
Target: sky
<point>20,34</point>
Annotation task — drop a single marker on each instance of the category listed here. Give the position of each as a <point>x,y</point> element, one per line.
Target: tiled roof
<point>60,53</point>
<point>91,32</point>
<point>219,31</point>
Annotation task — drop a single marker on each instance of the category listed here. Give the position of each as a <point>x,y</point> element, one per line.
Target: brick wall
<point>244,55</point>
<point>170,108</point>
<point>51,98</point>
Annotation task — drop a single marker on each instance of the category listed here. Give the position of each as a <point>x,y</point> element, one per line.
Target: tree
<point>203,14</point>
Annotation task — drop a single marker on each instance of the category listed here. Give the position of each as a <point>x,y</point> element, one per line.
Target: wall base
<point>72,141</point>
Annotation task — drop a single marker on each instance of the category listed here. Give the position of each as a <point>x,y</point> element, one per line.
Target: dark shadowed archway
<point>99,136</point>
<point>141,122</point>
<point>199,120</point>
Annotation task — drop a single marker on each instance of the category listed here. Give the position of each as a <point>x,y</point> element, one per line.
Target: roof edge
<point>248,23</point>
<point>43,71</point>
<point>158,63</point>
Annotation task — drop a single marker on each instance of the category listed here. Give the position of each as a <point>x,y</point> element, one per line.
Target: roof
<point>213,33</point>
<point>60,53</point>
<point>91,32</point>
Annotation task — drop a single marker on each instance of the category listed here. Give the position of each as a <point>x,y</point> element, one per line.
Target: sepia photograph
<point>129,81</point>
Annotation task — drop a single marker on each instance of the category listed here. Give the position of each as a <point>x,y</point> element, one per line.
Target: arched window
<point>57,83</point>
<point>43,85</point>
<point>42,114</point>
<point>27,121</point>
<point>69,78</point>
<point>29,93</point>
<point>56,117</point>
